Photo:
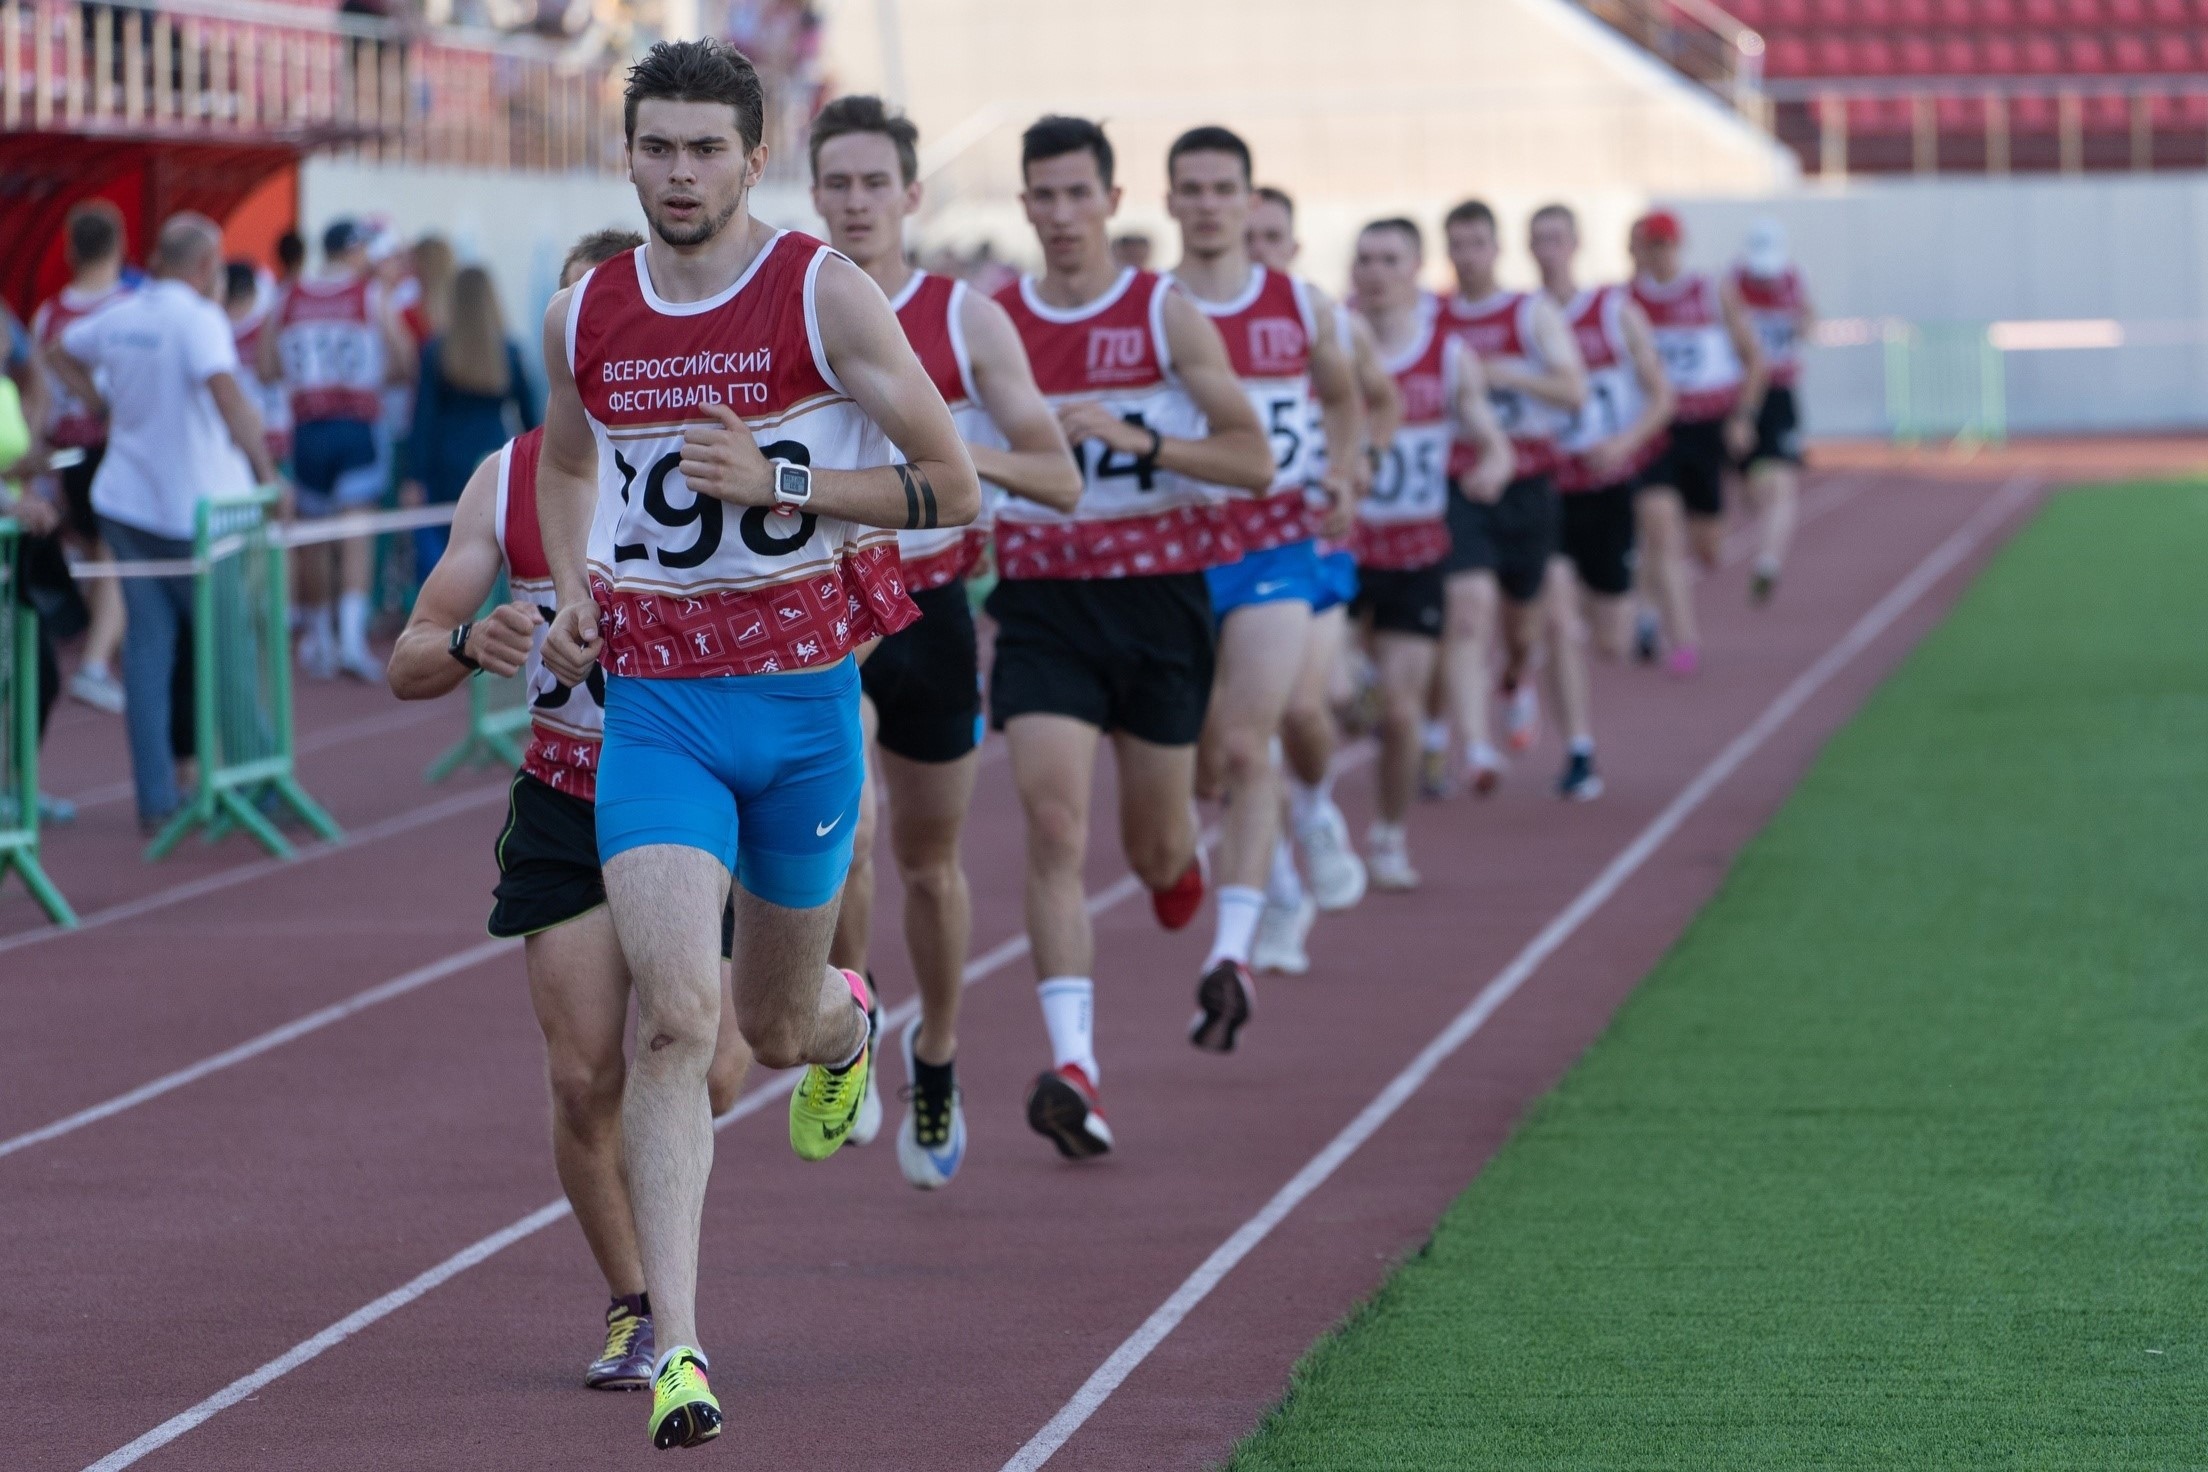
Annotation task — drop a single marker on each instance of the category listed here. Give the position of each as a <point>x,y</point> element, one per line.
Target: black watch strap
<point>457,646</point>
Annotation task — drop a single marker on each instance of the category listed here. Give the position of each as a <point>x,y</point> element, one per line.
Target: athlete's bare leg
<point>1307,732</point>
<point>1261,652</point>
<point>1706,537</point>
<point>1157,818</point>
<point>1773,491</point>
<point>1662,529</point>
<point>1468,627</point>
<point>579,988</point>
<point>1406,663</point>
<point>855,919</point>
<point>1565,637</point>
<point>927,812</point>
<point>1610,620</point>
<point>1054,768</point>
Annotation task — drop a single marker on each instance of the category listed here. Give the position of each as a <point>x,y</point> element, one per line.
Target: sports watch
<point>457,647</point>
<point>793,485</point>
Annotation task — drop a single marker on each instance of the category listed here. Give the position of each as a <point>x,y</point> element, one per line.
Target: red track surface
<point>158,1255</point>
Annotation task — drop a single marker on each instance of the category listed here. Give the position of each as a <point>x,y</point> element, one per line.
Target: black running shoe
<point>1222,1006</point>
<point>1580,782</point>
<point>1762,586</point>
<point>1644,638</point>
<point>1063,1108</point>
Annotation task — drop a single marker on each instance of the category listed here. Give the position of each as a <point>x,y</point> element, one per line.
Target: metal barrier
<point>19,739</point>
<point>498,716</point>
<point>1697,39</point>
<point>242,683</point>
<point>1945,381</point>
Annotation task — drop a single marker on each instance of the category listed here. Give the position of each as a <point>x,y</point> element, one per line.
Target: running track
<point>250,1101</point>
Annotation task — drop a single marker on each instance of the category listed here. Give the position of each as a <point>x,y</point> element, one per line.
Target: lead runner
<point>734,580</point>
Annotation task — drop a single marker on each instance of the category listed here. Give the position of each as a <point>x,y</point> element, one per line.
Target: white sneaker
<point>1280,936</point>
<point>1483,769</point>
<point>1389,859</point>
<point>360,665</point>
<point>869,1121</point>
<point>98,689</point>
<point>930,1164</point>
<point>1337,875</point>
<point>1522,717</point>
<point>317,660</point>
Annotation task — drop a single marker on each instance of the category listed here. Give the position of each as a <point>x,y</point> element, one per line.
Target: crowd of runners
<point>1233,522</point>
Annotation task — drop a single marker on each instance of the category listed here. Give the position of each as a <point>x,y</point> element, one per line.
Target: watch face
<point>791,480</point>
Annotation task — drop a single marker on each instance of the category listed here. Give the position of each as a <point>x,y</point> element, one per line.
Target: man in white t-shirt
<point>180,429</point>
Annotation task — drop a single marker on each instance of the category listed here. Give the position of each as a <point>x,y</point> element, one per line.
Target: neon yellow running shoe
<point>684,1412</point>
<point>826,1105</point>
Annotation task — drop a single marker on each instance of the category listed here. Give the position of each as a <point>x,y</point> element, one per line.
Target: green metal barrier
<point>1945,381</point>
<point>498,716</point>
<point>19,739</point>
<point>241,647</point>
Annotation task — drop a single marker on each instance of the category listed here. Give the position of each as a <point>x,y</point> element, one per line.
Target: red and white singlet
<point>1614,397</point>
<point>1689,323</point>
<point>566,724</point>
<point>1130,521</point>
<point>1268,331</point>
<point>69,424</point>
<point>1499,329</point>
<point>269,398</point>
<point>1774,306</point>
<point>331,345</point>
<point>690,586</point>
<point>1403,523</point>
<point>931,309</point>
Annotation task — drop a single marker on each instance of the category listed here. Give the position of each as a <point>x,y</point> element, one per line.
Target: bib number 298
<point>760,530</point>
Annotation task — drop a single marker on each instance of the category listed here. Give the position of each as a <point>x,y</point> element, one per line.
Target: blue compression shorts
<point>760,771</point>
<point>1288,573</point>
<point>1337,580</point>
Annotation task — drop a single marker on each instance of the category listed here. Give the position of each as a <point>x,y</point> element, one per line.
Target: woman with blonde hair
<point>472,398</point>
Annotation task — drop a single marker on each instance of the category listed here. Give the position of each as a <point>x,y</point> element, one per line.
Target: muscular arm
<point>1038,465</point>
<point>935,486</point>
<point>1755,370</point>
<point>1658,399</point>
<point>1564,382</point>
<point>422,666</point>
<point>1383,402</point>
<point>268,362</point>
<point>567,498</point>
<point>72,374</point>
<point>1341,406</point>
<point>244,423</point>
<point>1476,422</point>
<point>1235,452</point>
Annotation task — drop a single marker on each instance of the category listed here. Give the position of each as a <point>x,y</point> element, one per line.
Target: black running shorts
<point>1694,466</point>
<point>1778,428</point>
<point>76,494</point>
<point>548,870</point>
<point>925,680</point>
<point>1402,600</point>
<point>1514,538</point>
<point>1598,537</point>
<point>1123,654</point>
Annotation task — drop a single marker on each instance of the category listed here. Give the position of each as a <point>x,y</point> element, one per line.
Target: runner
<point>1710,355</point>
<point>1282,340</point>
<point>1309,734</point>
<point>1612,442</point>
<point>1103,619</point>
<point>243,301</point>
<point>336,343</point>
<point>550,888</point>
<point>732,740</point>
<point>1403,537</point>
<point>1770,289</point>
<point>1535,382</point>
<point>93,236</point>
<point>923,685</point>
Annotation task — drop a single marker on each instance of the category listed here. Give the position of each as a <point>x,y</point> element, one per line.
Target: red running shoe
<point>1063,1108</point>
<point>1177,906</point>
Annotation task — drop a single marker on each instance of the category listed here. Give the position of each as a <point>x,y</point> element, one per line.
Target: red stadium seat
<point>2170,12</point>
<point>1874,57</point>
<point>2173,52</point>
<point>1879,115</point>
<point>2042,57</point>
<point>2127,12</point>
<point>1749,13</point>
<point>2088,56</point>
<point>1788,57</point>
<point>1830,13</point>
<point>1791,14</point>
<point>2042,12</point>
<point>2128,53</point>
<point>1830,56</point>
<point>1916,13</point>
<point>2082,12</point>
<point>2033,112</point>
<point>2106,112</point>
<point>1955,13</point>
<point>1917,56</point>
<point>1958,56</point>
<point>1873,12</point>
<point>2179,110</point>
<point>1959,114</point>
<point>1996,15</point>
<point>1997,54</point>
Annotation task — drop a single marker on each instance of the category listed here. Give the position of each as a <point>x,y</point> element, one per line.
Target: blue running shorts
<point>1337,580</point>
<point>1288,573</point>
<point>760,771</point>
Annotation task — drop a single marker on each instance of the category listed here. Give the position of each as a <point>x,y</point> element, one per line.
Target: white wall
<point>2132,248</point>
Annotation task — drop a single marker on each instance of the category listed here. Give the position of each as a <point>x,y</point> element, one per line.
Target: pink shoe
<point>1684,661</point>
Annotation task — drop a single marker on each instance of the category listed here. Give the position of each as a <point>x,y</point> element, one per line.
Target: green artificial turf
<point>1900,1158</point>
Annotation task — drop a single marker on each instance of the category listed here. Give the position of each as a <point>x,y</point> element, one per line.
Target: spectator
<point>471,377</point>
<point>291,257</point>
<point>431,307</point>
<point>181,430</point>
<point>40,568</point>
<point>93,235</point>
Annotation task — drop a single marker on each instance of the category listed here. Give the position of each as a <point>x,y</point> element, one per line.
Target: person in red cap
<point>1716,368</point>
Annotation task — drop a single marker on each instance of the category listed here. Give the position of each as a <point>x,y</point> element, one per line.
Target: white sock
<point>1388,835</point>
<point>352,623</point>
<point>1284,886</point>
<point>1583,746</point>
<point>96,668</point>
<point>1239,909</point>
<point>1069,1015</point>
<point>321,627</point>
<point>1307,805</point>
<point>1434,736</point>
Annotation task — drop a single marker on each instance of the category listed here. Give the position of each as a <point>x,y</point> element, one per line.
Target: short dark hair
<point>862,113</point>
<point>1055,136</point>
<point>95,230</point>
<point>697,71</point>
<point>1557,211</point>
<point>1280,197</point>
<point>1403,223</point>
<point>599,247</point>
<point>291,250</point>
<point>1471,212</point>
<point>1211,138</point>
<point>239,279</point>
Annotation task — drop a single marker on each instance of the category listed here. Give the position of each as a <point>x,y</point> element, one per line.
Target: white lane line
<point>391,827</point>
<point>397,986</point>
<point>358,729</point>
<point>1137,1346</point>
<point>767,1092</point>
